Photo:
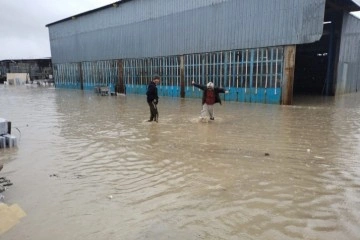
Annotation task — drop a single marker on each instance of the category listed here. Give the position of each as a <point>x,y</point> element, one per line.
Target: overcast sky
<point>23,34</point>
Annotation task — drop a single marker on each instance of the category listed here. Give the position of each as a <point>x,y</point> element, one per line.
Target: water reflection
<point>257,172</point>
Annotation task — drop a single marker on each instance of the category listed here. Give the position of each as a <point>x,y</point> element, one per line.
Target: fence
<point>250,75</point>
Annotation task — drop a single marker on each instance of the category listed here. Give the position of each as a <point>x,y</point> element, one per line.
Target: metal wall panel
<point>151,28</point>
<point>348,76</point>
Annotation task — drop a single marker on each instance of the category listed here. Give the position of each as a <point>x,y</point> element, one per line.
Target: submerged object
<point>4,129</point>
<point>10,140</point>
<point>2,142</point>
<point>6,139</point>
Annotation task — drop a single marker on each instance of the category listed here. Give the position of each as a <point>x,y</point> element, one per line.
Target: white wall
<point>17,78</point>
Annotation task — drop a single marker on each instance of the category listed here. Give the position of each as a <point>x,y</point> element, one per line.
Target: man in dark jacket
<point>153,98</point>
<point>210,97</point>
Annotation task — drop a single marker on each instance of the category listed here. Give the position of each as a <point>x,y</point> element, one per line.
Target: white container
<point>3,126</point>
<point>10,141</point>
<point>2,142</point>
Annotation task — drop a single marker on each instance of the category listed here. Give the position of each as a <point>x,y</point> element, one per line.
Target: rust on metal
<point>182,77</point>
<point>289,69</point>
<point>120,83</point>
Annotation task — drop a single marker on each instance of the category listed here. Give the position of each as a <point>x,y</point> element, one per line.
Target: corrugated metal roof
<point>349,5</point>
<point>151,28</point>
<point>115,4</point>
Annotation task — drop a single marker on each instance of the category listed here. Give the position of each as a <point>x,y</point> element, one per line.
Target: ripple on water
<point>180,178</point>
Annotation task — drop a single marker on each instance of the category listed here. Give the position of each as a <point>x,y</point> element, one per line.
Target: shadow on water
<point>91,167</point>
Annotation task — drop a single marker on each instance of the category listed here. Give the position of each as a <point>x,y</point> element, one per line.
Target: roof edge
<point>114,4</point>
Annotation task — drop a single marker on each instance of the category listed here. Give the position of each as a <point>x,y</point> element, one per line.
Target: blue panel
<point>89,87</point>
<point>136,89</point>
<point>273,95</point>
<point>130,89</point>
<point>247,95</point>
<point>240,95</point>
<point>166,91</point>
<point>68,86</point>
<point>193,92</point>
<point>232,95</point>
<point>258,95</point>
<point>142,89</point>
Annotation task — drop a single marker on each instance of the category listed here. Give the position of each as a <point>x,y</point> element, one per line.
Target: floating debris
<point>4,183</point>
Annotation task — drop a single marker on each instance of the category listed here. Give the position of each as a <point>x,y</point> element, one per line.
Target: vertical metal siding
<point>251,75</point>
<point>348,79</point>
<point>143,28</point>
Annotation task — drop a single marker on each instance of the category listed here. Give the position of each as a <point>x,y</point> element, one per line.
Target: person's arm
<point>202,87</point>
<point>221,90</point>
<point>156,100</point>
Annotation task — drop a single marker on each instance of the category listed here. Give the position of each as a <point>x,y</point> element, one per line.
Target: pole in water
<point>9,127</point>
<point>156,114</point>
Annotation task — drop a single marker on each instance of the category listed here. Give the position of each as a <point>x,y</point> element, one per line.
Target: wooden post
<point>182,77</point>
<point>288,78</point>
<point>9,127</point>
<point>81,77</point>
<point>121,88</point>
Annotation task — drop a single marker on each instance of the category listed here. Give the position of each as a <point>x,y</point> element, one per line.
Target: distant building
<point>261,50</point>
<point>36,68</point>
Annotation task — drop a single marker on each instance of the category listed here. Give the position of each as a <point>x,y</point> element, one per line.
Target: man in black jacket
<point>153,98</point>
<point>210,97</point>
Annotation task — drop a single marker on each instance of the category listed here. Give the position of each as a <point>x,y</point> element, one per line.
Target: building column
<point>288,77</point>
<point>121,88</point>
<point>81,76</point>
<point>182,77</point>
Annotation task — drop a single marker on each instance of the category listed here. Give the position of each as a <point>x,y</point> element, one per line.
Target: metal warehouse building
<point>261,50</point>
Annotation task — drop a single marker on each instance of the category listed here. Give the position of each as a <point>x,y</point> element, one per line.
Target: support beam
<point>182,77</point>
<point>289,69</point>
<point>121,88</point>
<point>81,76</point>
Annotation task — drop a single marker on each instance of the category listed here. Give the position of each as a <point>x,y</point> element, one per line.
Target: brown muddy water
<point>90,167</point>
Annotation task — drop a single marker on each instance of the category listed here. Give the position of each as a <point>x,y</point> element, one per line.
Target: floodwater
<point>90,167</point>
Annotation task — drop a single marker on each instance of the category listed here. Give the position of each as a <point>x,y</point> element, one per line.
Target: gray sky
<point>23,34</point>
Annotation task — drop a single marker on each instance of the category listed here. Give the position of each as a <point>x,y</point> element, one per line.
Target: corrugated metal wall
<point>348,77</point>
<point>144,28</point>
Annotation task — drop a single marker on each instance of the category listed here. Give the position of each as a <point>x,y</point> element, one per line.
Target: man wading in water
<point>153,99</point>
<point>210,97</point>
